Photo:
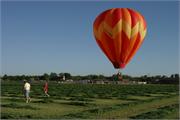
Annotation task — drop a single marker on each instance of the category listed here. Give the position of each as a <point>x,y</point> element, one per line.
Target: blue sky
<point>44,37</point>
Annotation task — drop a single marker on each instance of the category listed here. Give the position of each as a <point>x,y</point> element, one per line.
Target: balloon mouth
<point>119,66</point>
<point>122,65</point>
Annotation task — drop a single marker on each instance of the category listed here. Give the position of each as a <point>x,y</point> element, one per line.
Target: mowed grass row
<point>127,110</point>
<point>168,112</point>
<point>87,91</point>
<point>91,101</point>
<point>140,108</point>
<point>50,108</point>
<point>98,108</point>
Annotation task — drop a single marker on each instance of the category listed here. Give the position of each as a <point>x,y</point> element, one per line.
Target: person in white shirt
<point>27,88</point>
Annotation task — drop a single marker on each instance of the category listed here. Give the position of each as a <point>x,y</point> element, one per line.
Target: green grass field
<point>70,101</point>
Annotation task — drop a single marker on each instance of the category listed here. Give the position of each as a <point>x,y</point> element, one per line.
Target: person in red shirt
<point>46,89</point>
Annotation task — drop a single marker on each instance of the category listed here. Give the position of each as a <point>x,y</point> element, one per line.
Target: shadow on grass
<point>17,106</point>
<point>13,116</point>
<point>15,99</point>
<point>79,103</point>
<point>80,99</point>
<point>158,113</point>
<point>44,100</point>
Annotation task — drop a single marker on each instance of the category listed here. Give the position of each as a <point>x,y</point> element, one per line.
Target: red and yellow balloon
<point>119,32</point>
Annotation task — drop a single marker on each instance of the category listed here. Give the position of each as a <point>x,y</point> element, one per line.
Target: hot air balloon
<point>119,32</point>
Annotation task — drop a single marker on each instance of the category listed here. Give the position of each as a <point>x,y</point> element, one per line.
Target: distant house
<point>68,81</point>
<point>82,81</point>
<point>109,82</point>
<point>141,83</point>
<point>99,82</point>
<point>124,81</point>
<point>63,78</point>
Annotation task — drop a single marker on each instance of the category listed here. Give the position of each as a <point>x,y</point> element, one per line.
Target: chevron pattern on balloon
<point>119,32</point>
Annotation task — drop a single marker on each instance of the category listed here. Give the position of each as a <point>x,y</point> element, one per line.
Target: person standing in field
<point>46,89</point>
<point>27,88</point>
<point>119,76</point>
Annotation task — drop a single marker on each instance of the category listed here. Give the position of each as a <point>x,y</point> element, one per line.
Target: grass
<point>50,110</point>
<point>139,108</point>
<point>109,102</point>
<point>162,112</point>
<point>18,106</point>
<point>133,97</point>
<point>74,101</point>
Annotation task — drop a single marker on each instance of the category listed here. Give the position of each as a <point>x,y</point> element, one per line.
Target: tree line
<point>158,79</point>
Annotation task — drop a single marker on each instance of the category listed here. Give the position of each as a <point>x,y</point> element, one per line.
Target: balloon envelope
<point>119,32</point>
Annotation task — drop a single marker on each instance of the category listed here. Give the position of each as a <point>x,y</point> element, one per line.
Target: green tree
<point>68,75</point>
<point>46,76</point>
<point>53,76</point>
<point>101,77</point>
<point>5,77</point>
<point>176,76</point>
